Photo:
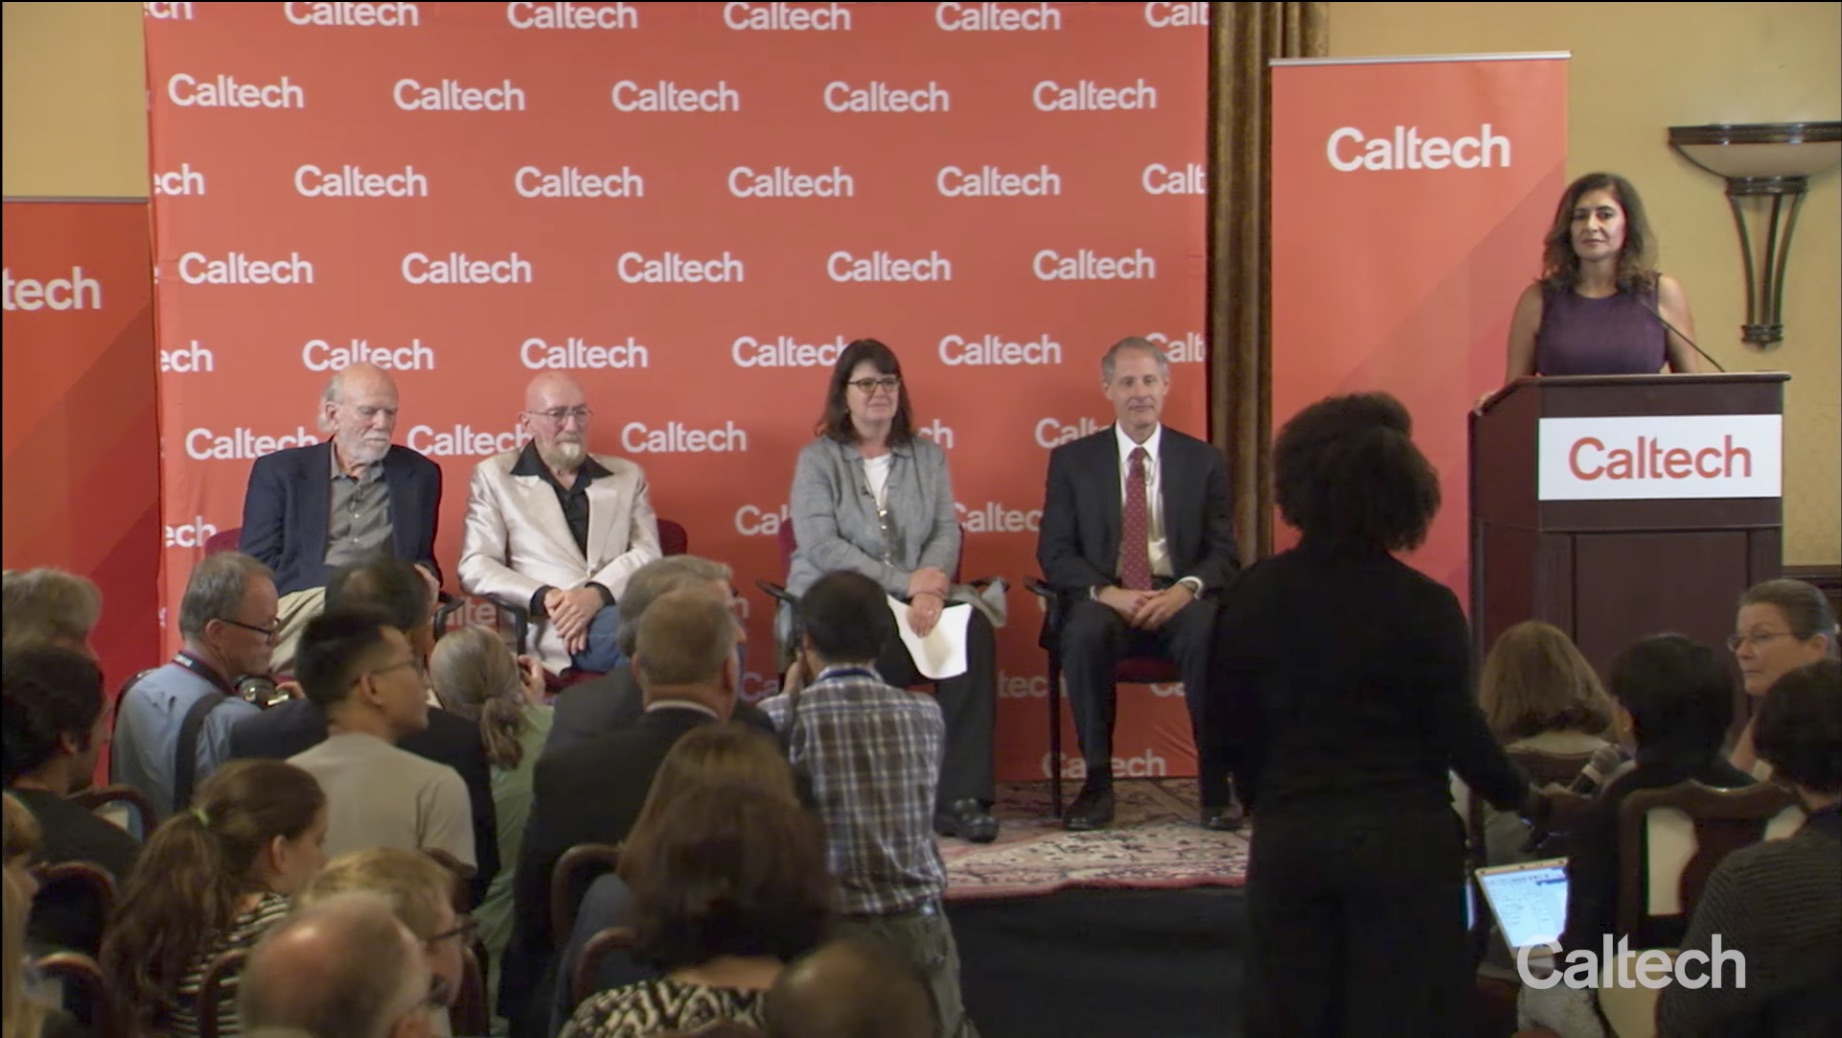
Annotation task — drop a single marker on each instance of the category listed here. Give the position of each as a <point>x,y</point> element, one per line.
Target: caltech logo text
<point>1145,765</point>
<point>190,535</point>
<point>75,291</point>
<point>1614,966</point>
<point>461,441</point>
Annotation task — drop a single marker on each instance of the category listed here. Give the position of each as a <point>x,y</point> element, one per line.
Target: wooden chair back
<point>575,870</point>
<point>1670,839</point>
<point>588,965</point>
<point>215,988</point>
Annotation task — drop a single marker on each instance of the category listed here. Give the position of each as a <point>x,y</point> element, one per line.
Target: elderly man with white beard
<point>310,510</point>
<point>558,530</point>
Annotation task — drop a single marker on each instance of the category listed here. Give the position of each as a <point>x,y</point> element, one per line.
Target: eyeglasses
<point>411,662</point>
<point>888,384</point>
<point>273,629</point>
<point>559,415</point>
<point>464,928</point>
<point>1734,642</point>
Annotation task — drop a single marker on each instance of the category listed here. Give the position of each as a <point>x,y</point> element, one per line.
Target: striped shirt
<point>244,931</point>
<point>873,753</point>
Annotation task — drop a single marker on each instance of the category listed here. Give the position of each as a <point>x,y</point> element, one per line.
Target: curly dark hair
<point>740,870</point>
<point>1560,265</point>
<point>1799,727</point>
<point>1678,692</point>
<point>49,692</point>
<point>1348,476</point>
<point>836,421</point>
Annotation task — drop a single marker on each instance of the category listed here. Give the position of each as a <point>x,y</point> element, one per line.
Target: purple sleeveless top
<point>1616,335</point>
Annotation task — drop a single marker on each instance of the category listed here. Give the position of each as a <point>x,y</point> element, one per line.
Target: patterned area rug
<point>1154,843</point>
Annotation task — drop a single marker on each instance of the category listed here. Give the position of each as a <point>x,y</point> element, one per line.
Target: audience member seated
<point>368,681</point>
<point>851,988</point>
<point>1539,695</point>
<point>394,588</point>
<point>211,879</point>
<point>871,752</point>
<point>1778,903</point>
<point>54,726</point>
<point>1782,625</point>
<point>599,706</point>
<point>592,792</point>
<point>228,620</point>
<point>312,509</point>
<point>1675,702</point>
<point>570,564</point>
<point>344,966</point>
<point>477,678</point>
<point>714,755</point>
<point>420,892</point>
<point>726,894</point>
<point>49,607</point>
<point>22,840</point>
<point>25,1012</point>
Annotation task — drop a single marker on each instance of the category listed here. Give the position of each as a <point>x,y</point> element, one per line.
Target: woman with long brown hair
<point>1600,307</point>
<point>211,879</point>
<point>477,677</point>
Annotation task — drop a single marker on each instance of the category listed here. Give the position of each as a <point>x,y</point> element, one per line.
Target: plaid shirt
<point>873,752</point>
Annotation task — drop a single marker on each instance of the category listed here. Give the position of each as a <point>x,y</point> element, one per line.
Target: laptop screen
<point>1528,901</point>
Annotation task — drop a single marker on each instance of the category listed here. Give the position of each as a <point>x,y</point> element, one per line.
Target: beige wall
<point>76,126</point>
<point>75,101</point>
<point>1638,69</point>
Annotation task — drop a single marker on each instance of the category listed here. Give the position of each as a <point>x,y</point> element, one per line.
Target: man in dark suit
<point>310,510</point>
<point>394,588</point>
<point>685,654</point>
<point>1137,538</point>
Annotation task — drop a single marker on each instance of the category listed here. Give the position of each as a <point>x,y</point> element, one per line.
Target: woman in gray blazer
<point>871,496</point>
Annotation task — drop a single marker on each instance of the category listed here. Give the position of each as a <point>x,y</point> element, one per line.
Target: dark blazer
<point>588,793</point>
<point>287,506</point>
<point>1078,546</point>
<point>593,708</point>
<point>296,726</point>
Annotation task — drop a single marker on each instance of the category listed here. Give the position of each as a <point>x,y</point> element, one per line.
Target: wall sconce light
<point>1765,165</point>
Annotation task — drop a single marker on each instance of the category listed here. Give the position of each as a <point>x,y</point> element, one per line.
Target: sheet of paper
<point>942,654</point>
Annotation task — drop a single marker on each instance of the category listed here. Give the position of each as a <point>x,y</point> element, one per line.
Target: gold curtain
<point>1242,39</point>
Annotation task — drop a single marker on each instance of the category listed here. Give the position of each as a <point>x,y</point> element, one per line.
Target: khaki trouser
<point>925,938</point>
<point>297,607</point>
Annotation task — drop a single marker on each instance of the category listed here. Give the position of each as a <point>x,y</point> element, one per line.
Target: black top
<point>297,726</point>
<point>1345,682</point>
<point>1592,851</point>
<point>573,499</point>
<point>593,708</point>
<point>72,833</point>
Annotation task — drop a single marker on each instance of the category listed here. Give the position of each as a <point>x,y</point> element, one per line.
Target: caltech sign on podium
<point>1621,506</point>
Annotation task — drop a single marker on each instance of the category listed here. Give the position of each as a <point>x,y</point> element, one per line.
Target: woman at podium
<point>1600,307</point>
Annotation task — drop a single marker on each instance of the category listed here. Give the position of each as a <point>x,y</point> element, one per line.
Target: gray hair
<point>1805,609</point>
<point>659,577</point>
<point>48,607</point>
<point>1132,342</point>
<point>356,972</point>
<point>216,589</point>
<point>335,389</point>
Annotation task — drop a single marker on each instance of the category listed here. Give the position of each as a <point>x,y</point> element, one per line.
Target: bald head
<point>851,988</point>
<point>360,409</point>
<point>556,415</point>
<point>343,966</point>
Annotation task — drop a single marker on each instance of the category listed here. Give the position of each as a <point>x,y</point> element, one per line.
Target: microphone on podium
<point>1664,321</point>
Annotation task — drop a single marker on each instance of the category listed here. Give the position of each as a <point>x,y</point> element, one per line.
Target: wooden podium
<point>1615,507</point>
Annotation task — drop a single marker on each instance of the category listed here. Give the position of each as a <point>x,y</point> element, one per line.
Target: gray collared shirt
<point>359,525</point>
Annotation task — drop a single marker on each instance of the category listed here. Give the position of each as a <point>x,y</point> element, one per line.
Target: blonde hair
<point>48,607</point>
<point>684,638</point>
<point>1536,681</point>
<point>22,1017</point>
<point>731,753</point>
<point>477,677</point>
<point>416,885</point>
<point>19,832</point>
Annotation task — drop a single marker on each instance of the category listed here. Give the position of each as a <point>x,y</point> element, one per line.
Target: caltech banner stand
<point>1410,197</point>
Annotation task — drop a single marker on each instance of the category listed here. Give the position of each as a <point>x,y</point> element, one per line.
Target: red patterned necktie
<point>1135,531</point>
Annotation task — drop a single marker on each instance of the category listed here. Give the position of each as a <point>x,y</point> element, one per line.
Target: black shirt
<point>73,833</point>
<point>574,502</point>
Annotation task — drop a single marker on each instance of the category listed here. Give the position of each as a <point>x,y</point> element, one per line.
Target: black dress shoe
<point>967,819</point>
<point>1093,809</point>
<point>1223,818</point>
